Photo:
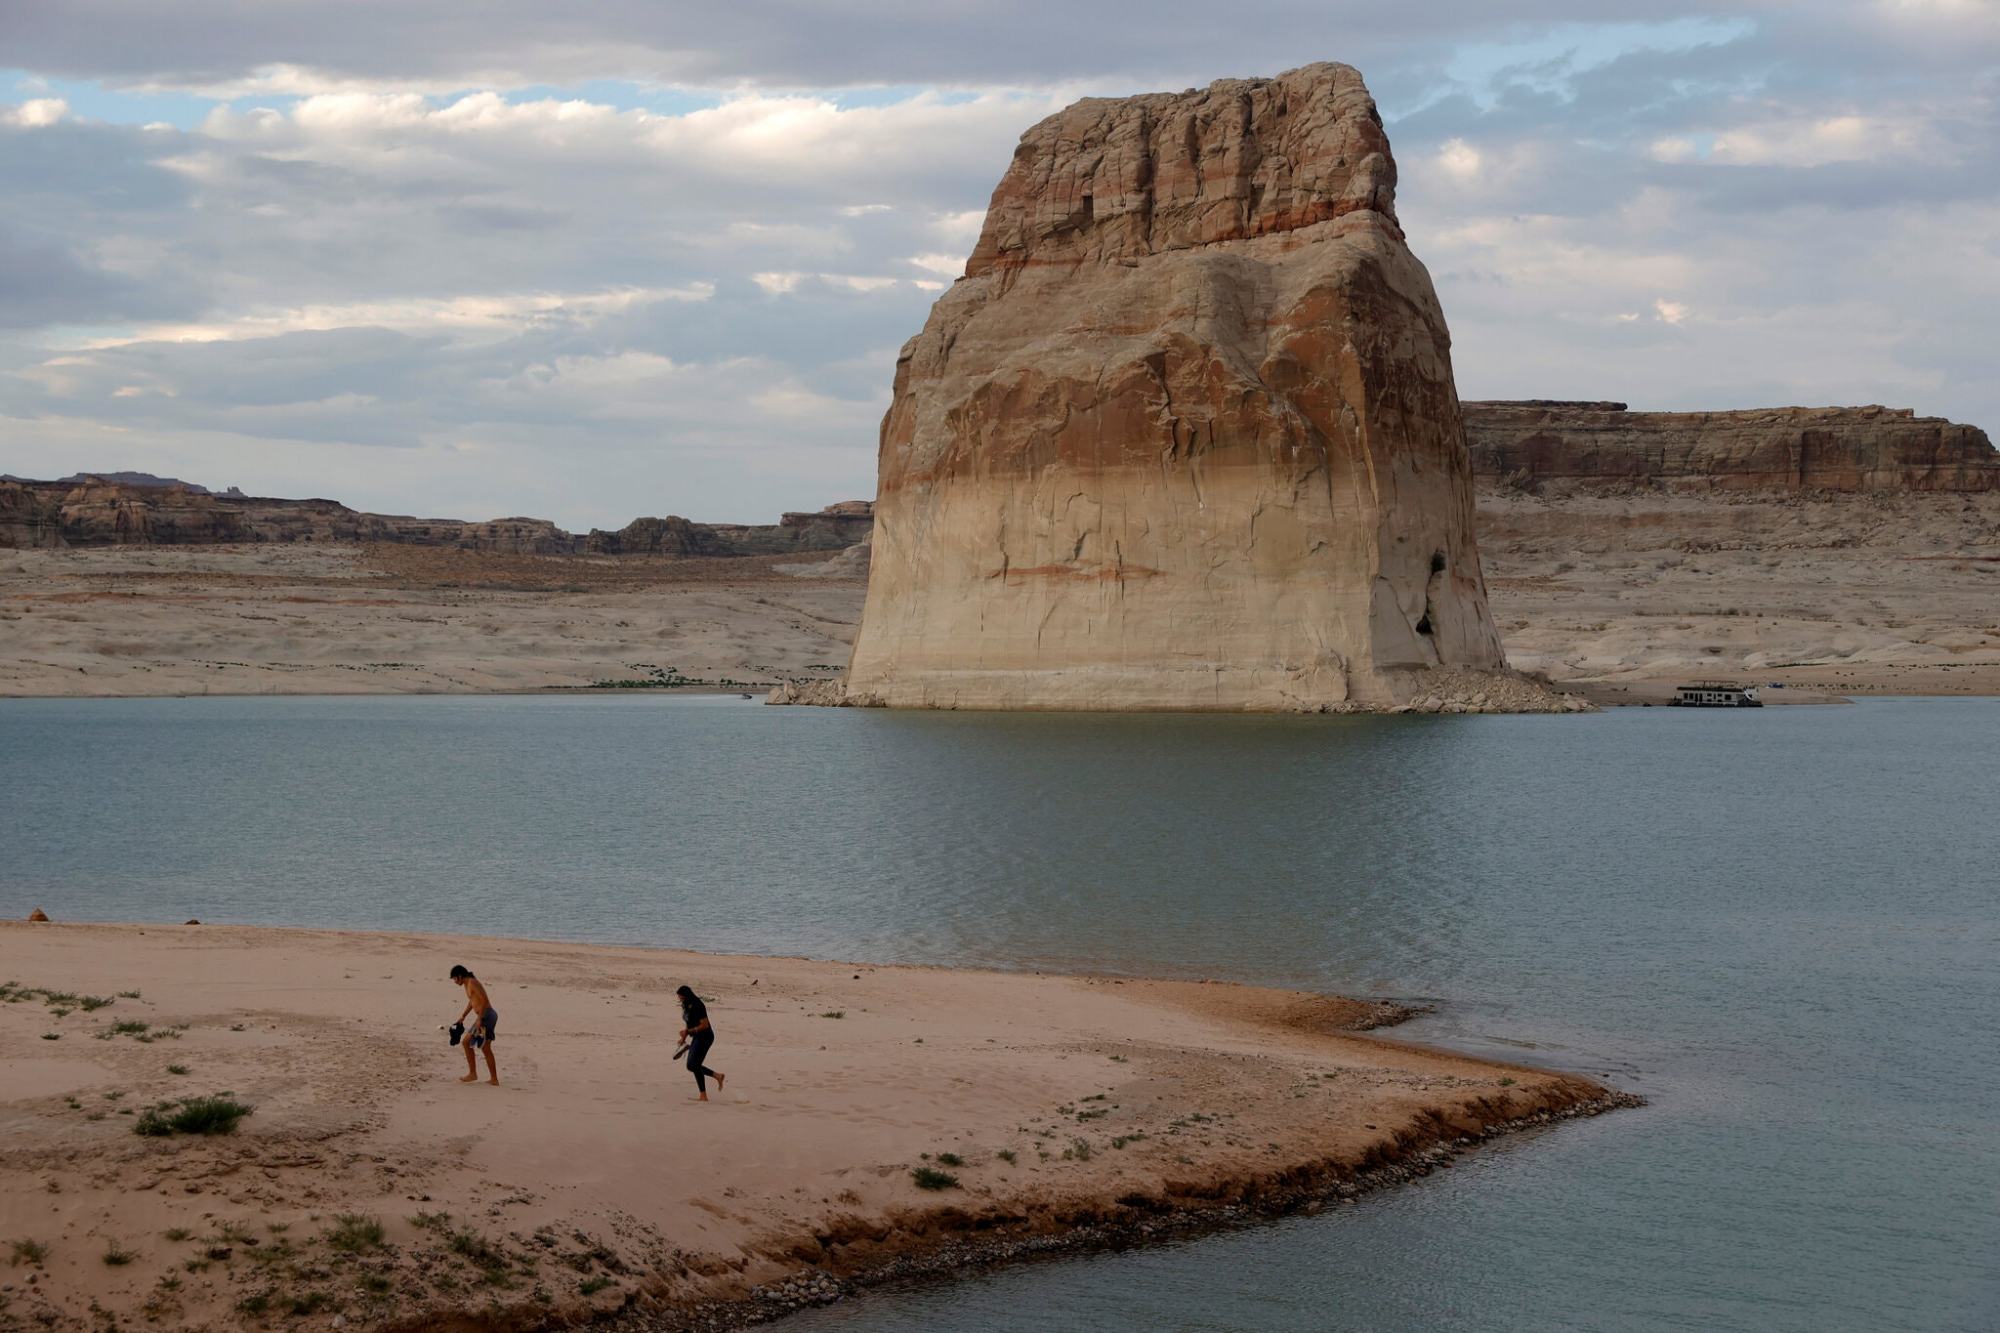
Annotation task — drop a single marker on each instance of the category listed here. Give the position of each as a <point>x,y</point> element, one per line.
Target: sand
<point>1636,589</point>
<point>126,621</point>
<point>590,1182</point>
<point>1627,589</point>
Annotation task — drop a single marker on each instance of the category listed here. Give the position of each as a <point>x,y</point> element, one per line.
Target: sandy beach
<point>367,1183</point>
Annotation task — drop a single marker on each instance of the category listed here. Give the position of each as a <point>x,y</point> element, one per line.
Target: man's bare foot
<point>470,1078</point>
<point>702,1098</point>
<point>495,1081</point>
<point>718,1083</point>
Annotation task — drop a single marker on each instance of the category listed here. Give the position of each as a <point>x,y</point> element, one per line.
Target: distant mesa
<point>1530,441</point>
<point>140,480</point>
<point>1185,435</point>
<point>92,510</point>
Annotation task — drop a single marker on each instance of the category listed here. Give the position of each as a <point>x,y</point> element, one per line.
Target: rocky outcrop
<point>27,521</point>
<point>671,535</point>
<point>833,528</point>
<point>1788,448</point>
<point>96,512</point>
<point>1184,436</point>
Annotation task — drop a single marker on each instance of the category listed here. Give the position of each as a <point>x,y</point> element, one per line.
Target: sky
<point>589,262</point>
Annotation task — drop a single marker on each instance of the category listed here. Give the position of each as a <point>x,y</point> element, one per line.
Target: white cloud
<point>1459,159</point>
<point>1817,141</point>
<point>35,113</point>
<point>950,265</point>
<point>1670,312</point>
<point>487,315</point>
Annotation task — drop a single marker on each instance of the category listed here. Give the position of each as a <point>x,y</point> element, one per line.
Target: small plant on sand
<point>439,1221</point>
<point>1078,1150</point>
<point>590,1286</point>
<point>834,1013</point>
<point>1506,1082</point>
<point>52,1036</point>
<point>124,1027</point>
<point>353,1233</point>
<point>1124,1139</point>
<point>375,1284</point>
<point>950,1159</point>
<point>92,1003</point>
<point>479,1250</point>
<point>177,1233</point>
<point>177,1069</point>
<point>1006,1155</point>
<point>193,1115</point>
<point>930,1178</point>
<point>256,1303</point>
<point>117,1258</point>
<point>29,1252</point>
<point>128,995</point>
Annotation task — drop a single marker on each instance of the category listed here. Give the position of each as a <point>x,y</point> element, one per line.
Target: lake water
<point>1781,926</point>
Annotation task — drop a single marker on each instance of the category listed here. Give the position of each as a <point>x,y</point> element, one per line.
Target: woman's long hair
<point>687,997</point>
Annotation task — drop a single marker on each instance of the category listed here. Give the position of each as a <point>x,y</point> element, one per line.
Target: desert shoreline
<point>1073,1112</point>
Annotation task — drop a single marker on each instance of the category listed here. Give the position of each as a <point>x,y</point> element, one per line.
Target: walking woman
<point>699,1036</point>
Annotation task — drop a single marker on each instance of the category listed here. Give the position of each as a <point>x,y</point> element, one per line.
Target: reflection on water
<point>1780,926</point>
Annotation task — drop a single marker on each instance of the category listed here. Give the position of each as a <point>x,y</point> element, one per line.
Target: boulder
<point>38,915</point>
<point>1185,434</point>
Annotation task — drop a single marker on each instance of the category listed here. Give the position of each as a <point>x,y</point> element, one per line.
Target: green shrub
<point>353,1233</point>
<point>930,1178</point>
<point>192,1115</point>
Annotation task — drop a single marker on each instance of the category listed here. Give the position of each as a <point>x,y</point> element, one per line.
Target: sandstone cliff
<point>1792,448</point>
<point>1185,434</point>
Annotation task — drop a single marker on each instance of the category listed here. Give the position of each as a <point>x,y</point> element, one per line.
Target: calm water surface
<point>1781,926</point>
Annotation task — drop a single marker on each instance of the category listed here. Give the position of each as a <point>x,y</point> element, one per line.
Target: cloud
<point>35,113</point>
<point>636,255</point>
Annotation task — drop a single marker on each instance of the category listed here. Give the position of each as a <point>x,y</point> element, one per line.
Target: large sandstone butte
<point>1773,448</point>
<point>1184,436</point>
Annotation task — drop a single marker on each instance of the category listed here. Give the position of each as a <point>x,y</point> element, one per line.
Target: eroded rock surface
<point>1185,435</point>
<point>1780,448</point>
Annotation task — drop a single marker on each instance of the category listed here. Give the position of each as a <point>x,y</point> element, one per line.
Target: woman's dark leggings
<point>698,1046</point>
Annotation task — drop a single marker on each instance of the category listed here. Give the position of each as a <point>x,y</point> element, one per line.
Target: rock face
<point>1184,436</point>
<point>1784,448</point>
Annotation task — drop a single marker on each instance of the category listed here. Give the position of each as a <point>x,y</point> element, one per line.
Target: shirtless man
<point>482,1031</point>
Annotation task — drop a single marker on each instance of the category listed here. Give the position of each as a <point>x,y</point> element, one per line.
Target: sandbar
<point>590,1185</point>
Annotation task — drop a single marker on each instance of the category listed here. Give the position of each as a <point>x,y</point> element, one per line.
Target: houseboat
<point>1715,694</point>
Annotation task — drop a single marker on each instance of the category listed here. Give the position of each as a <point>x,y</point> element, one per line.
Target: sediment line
<point>941,1244</point>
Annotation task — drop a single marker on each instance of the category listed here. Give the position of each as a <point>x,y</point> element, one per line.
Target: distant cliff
<point>96,512</point>
<point>1793,448</point>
